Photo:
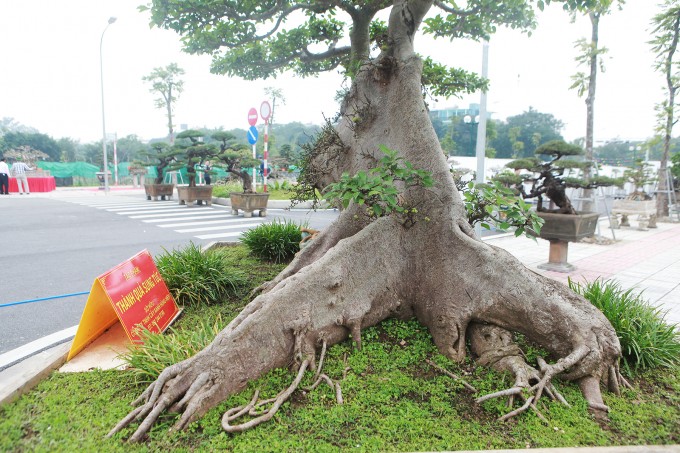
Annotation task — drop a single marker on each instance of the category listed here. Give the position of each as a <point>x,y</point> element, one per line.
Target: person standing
<point>4,177</point>
<point>206,173</point>
<point>19,169</point>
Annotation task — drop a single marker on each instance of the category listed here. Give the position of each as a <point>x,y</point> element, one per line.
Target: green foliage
<point>191,151</point>
<point>519,135</point>
<point>376,189</point>
<point>448,82</point>
<point>640,174</point>
<point>558,148</point>
<point>494,203</point>
<point>647,340</point>
<point>675,169</point>
<point>195,277</point>
<point>237,158</point>
<point>274,241</point>
<point>161,155</point>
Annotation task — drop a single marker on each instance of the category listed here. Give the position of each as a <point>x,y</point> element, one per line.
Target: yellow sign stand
<point>98,316</point>
<point>134,293</point>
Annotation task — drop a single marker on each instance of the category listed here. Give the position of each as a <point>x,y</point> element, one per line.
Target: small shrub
<point>194,277</point>
<point>275,241</point>
<point>647,340</point>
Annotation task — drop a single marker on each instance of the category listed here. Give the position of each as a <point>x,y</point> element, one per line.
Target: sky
<point>50,74</point>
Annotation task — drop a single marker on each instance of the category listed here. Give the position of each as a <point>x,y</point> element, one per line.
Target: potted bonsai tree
<point>191,151</point>
<point>162,155</point>
<point>562,224</point>
<point>236,160</point>
<point>637,202</point>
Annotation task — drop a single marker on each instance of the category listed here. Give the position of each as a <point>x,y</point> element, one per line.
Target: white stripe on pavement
<point>218,235</point>
<point>209,222</point>
<point>220,227</point>
<point>216,216</point>
<point>179,213</point>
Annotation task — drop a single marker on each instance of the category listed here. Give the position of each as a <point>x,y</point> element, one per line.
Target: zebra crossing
<point>202,222</point>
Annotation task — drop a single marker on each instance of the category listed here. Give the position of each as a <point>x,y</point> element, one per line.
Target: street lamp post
<point>472,122</point>
<point>101,73</point>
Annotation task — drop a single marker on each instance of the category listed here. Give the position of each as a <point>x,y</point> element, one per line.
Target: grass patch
<point>274,241</point>
<point>196,278</point>
<point>394,401</point>
<point>647,340</point>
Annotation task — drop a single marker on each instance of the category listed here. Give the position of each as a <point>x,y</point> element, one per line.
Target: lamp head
<point>111,20</point>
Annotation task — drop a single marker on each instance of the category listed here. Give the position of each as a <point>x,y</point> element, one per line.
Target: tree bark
<point>357,273</point>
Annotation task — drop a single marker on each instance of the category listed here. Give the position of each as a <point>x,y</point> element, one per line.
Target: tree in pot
<point>638,202</point>
<point>191,152</point>
<point>237,160</point>
<point>363,269</point>
<point>161,155</point>
<point>547,177</point>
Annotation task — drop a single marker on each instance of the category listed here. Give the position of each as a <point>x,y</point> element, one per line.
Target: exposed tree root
<point>266,415</point>
<point>451,375</point>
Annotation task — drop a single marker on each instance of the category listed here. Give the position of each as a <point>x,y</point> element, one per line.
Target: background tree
<point>167,84</point>
<point>520,135</point>
<point>666,33</point>
<point>590,56</point>
<point>366,267</point>
<point>35,140</point>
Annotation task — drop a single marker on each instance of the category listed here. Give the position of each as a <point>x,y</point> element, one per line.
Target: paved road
<point>58,245</point>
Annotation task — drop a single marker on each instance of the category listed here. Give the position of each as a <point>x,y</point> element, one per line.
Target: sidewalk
<point>648,260</point>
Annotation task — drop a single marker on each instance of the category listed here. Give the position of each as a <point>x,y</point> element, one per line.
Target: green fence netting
<point>82,173</point>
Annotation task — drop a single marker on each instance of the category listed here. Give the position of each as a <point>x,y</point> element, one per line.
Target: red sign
<point>133,293</point>
<point>139,296</point>
<point>252,116</point>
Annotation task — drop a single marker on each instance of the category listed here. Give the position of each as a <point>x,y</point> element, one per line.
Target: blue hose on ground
<point>30,301</point>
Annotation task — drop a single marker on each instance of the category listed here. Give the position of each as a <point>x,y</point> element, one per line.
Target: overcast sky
<point>50,78</point>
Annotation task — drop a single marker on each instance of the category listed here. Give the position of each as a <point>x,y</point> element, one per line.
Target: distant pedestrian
<point>19,169</point>
<point>4,177</point>
<point>206,173</point>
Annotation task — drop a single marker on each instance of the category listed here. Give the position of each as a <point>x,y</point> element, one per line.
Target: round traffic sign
<point>265,110</point>
<point>252,116</point>
<point>252,135</point>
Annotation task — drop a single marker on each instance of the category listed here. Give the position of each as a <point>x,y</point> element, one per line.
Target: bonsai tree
<point>548,177</point>
<point>363,269</point>
<point>236,158</point>
<point>640,174</point>
<point>190,151</point>
<point>162,156</point>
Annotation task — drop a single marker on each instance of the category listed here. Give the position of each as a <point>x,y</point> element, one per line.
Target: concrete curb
<point>22,377</point>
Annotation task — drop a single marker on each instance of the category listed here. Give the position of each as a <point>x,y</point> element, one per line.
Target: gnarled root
<point>495,348</point>
<point>178,388</point>
<point>262,416</point>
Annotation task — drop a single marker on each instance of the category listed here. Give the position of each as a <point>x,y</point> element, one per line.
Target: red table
<point>35,184</point>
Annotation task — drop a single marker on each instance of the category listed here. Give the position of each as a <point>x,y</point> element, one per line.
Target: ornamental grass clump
<point>647,340</point>
<point>195,277</point>
<point>275,241</point>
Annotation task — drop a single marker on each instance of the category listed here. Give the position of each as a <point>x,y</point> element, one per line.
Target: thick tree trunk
<point>357,273</point>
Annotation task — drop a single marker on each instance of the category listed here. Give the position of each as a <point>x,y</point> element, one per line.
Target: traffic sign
<point>252,135</point>
<point>265,111</point>
<point>252,116</point>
